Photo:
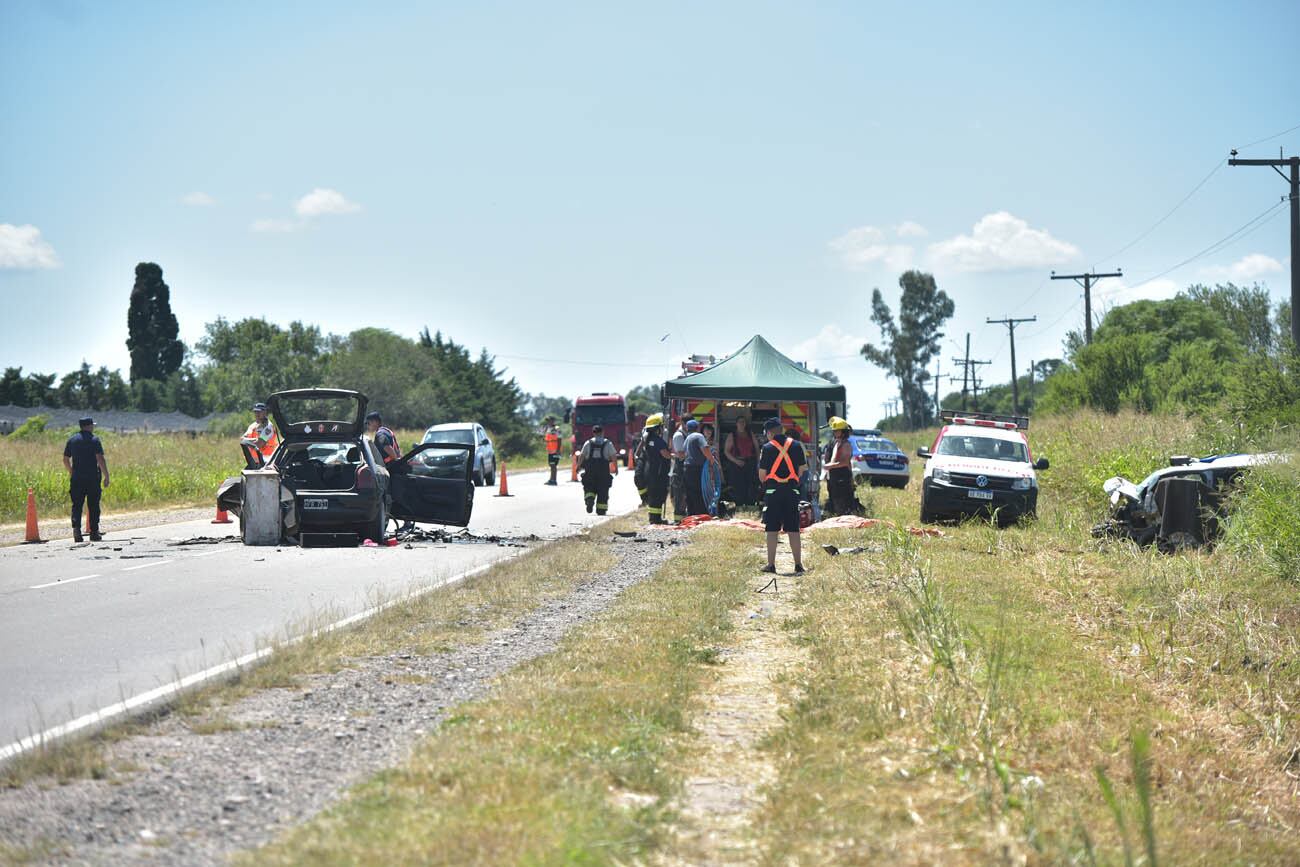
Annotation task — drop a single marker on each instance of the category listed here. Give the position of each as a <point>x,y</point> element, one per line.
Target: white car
<point>980,464</point>
<point>471,434</point>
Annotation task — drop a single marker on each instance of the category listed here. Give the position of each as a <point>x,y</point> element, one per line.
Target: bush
<point>33,427</point>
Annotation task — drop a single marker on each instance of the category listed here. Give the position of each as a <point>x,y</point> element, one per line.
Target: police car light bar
<point>1009,422</point>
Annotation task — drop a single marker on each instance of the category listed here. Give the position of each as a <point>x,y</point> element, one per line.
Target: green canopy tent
<point>758,374</point>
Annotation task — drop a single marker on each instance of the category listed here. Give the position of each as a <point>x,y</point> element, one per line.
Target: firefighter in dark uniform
<point>841,499</point>
<point>598,455</point>
<point>781,464</point>
<point>656,457</point>
<point>83,457</point>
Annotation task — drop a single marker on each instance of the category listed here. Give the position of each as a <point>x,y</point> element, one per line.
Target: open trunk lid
<point>307,414</point>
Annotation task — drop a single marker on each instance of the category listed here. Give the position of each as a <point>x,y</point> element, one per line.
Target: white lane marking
<point>146,565</point>
<point>63,581</point>
<point>105,714</point>
<point>144,699</point>
<point>209,553</point>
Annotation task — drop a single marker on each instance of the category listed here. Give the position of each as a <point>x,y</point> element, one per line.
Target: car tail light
<point>861,457</point>
<point>365,477</point>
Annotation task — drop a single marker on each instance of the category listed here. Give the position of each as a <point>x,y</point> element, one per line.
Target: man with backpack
<point>598,455</point>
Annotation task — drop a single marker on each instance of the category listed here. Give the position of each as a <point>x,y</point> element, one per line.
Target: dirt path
<point>725,788</point>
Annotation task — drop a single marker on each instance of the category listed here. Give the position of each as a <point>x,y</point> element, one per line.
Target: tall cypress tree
<point>156,352</point>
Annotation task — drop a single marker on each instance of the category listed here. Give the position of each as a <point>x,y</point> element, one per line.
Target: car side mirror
<point>922,452</point>
<point>1041,464</point>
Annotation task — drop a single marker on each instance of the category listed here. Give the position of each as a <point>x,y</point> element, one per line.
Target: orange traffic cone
<point>504,490</point>
<point>574,477</point>
<point>631,459</point>
<point>33,531</point>
<point>87,530</point>
<point>222,517</point>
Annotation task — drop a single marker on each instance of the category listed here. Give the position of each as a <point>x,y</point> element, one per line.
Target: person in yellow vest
<point>261,436</point>
<point>552,437</point>
<point>780,466</point>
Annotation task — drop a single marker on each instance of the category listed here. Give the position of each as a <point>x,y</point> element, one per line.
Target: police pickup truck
<point>980,464</point>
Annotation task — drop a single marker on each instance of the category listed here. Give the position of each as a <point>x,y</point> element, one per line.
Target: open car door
<point>433,484</point>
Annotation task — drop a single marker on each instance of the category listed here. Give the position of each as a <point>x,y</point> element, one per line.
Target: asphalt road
<point>85,627</point>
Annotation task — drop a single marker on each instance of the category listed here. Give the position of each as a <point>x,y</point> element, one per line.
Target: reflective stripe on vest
<point>783,455</point>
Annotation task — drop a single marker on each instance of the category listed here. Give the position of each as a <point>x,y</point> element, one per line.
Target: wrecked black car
<point>1178,506</point>
<point>329,480</point>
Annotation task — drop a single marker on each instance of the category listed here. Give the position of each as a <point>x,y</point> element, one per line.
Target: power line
<point>1088,279</point>
<point>1293,198</point>
<point>1270,138</point>
<point>575,361</point>
<point>1236,234</point>
<point>1218,164</point>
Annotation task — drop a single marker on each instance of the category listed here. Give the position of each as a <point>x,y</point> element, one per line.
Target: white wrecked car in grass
<point>1178,506</point>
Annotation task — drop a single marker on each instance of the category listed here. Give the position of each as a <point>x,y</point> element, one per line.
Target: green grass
<point>146,470</point>
<point>537,774</point>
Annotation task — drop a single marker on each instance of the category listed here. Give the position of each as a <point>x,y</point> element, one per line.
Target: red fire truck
<point>610,412</point>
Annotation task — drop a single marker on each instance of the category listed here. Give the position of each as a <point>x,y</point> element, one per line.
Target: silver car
<point>471,434</point>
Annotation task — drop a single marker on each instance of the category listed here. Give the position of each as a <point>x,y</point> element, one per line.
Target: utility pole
<point>968,368</point>
<point>1086,281</point>
<point>1294,181</point>
<point>937,377</point>
<point>975,385</point>
<point>1011,331</point>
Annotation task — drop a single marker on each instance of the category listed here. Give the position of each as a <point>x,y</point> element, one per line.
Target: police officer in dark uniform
<point>781,464</point>
<point>83,457</point>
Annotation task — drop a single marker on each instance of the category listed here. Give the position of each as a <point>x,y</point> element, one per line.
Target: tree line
<point>413,382</point>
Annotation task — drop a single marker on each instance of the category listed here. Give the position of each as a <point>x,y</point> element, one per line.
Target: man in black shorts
<point>780,466</point>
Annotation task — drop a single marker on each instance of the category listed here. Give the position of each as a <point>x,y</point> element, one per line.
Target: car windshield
<point>876,444</point>
<point>450,435</point>
<point>441,463</point>
<point>610,413</point>
<point>987,448</point>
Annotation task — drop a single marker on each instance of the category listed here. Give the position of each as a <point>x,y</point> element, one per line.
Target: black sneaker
<point>798,569</point>
<point>76,536</point>
<point>95,537</point>
<point>771,570</point>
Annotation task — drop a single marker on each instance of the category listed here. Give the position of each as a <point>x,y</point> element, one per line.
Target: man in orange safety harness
<point>780,466</point>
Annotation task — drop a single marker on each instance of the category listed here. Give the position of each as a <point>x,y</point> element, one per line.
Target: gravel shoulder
<point>281,755</point>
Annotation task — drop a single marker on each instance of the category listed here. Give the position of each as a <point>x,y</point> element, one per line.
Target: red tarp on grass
<point>842,522</point>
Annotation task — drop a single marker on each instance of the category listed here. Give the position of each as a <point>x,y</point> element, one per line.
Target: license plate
<point>980,495</point>
<point>325,504</point>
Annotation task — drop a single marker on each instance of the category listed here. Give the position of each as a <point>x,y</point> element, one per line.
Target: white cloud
<point>23,247</point>
<point>322,201</point>
<point>1245,269</point>
<point>859,248</point>
<point>908,229</point>
<point>273,224</point>
<point>829,344</point>
<point>1003,242</point>
<point>198,199</point>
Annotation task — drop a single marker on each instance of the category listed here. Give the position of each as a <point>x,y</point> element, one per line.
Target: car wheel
<point>479,481</point>
<point>927,516</point>
<point>491,478</point>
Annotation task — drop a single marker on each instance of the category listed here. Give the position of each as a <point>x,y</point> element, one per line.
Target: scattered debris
<point>203,540</point>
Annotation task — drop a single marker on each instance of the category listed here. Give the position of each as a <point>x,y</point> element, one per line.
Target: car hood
<point>296,413</point>
<point>990,467</point>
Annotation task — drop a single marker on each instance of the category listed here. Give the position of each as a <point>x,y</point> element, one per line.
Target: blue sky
<point>571,182</point>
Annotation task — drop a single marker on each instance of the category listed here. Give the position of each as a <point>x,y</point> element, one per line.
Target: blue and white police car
<point>980,464</point>
<point>878,461</point>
